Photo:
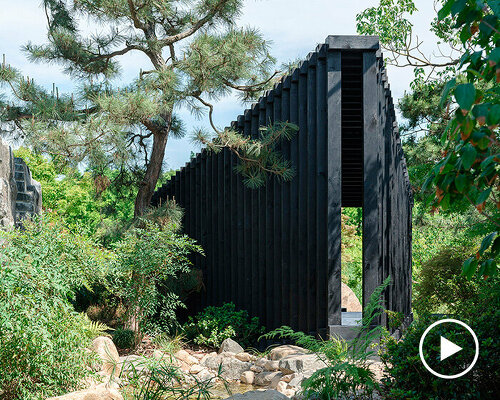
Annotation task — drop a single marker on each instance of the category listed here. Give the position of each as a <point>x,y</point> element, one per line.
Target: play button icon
<point>440,345</point>
<point>448,348</point>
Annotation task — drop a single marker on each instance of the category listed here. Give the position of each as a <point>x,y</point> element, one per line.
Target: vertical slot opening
<point>352,187</point>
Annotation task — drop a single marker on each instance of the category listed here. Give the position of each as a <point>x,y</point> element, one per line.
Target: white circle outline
<point>421,353</point>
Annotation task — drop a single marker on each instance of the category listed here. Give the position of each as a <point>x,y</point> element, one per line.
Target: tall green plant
<point>151,261</point>
<point>42,339</point>
<point>346,371</point>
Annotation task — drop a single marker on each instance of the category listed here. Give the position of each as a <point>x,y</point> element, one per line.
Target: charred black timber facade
<point>276,251</point>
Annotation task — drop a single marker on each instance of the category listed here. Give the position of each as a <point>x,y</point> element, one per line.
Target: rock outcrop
<point>20,194</point>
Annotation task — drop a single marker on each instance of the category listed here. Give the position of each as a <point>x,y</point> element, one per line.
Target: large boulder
<point>284,351</point>
<point>259,395</point>
<point>98,393</point>
<point>303,363</point>
<point>230,346</point>
<point>349,300</point>
<point>231,368</point>
<point>108,354</point>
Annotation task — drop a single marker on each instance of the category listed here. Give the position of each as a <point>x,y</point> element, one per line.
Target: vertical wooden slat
<point>279,306</point>
<point>256,268</point>
<point>294,204</point>
<point>285,214</point>
<point>312,194</point>
<point>321,195</point>
<point>248,272</point>
<point>334,187</point>
<point>371,228</point>
<point>303,200</point>
<point>266,272</point>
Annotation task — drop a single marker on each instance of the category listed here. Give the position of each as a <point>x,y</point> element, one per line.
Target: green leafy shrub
<point>406,376</point>
<point>152,260</point>
<point>346,371</point>
<point>42,339</point>
<point>215,324</point>
<point>440,287</point>
<point>124,338</point>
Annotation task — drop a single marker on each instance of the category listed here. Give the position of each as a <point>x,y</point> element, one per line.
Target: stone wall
<point>20,195</point>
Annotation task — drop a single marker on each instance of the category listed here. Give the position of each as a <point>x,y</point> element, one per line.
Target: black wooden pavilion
<point>276,251</point>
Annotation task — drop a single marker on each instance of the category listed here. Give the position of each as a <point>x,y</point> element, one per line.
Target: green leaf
<point>495,55</point>
<point>465,34</point>
<point>443,13</point>
<point>469,267</point>
<point>465,94</point>
<point>493,117</point>
<point>489,268</point>
<point>446,91</point>
<point>483,196</point>
<point>468,156</point>
<point>495,6</point>
<point>480,110</point>
<point>486,243</point>
<point>457,6</point>
<point>461,182</point>
<point>487,161</point>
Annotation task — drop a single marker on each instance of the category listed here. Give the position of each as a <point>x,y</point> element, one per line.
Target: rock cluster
<point>276,376</point>
<point>282,370</point>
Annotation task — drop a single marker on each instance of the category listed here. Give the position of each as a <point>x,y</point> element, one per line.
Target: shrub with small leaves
<point>124,338</point>
<point>43,340</point>
<point>215,324</point>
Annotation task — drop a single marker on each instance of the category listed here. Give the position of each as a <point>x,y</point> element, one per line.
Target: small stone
<point>230,345</point>
<point>247,377</point>
<point>158,354</point>
<point>276,380</point>
<point>245,357</point>
<point>281,387</point>
<point>261,362</point>
<point>265,378</point>
<point>195,368</point>
<point>184,356</point>
<point>272,365</point>
<point>289,393</point>
<point>288,378</point>
<point>204,375</point>
<point>256,369</point>
<point>295,381</point>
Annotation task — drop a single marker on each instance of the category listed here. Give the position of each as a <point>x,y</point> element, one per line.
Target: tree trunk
<point>153,170</point>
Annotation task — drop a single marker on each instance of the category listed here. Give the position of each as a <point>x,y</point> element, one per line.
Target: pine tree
<point>195,55</point>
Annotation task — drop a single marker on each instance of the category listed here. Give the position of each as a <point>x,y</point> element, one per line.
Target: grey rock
<point>305,363</point>
<point>231,368</point>
<point>284,351</point>
<point>229,345</point>
<point>265,378</point>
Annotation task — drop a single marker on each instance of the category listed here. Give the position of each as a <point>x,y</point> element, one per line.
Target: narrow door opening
<point>352,187</point>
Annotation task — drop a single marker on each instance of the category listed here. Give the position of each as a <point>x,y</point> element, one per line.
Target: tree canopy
<point>195,53</point>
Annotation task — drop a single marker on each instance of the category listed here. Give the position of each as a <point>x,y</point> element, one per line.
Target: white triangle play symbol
<point>448,348</point>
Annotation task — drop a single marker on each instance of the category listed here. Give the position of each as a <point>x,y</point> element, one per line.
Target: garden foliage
<point>215,324</point>
<point>346,371</point>
<point>42,338</point>
<point>406,377</point>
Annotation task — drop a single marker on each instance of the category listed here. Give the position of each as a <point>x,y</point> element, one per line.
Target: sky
<point>294,27</point>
